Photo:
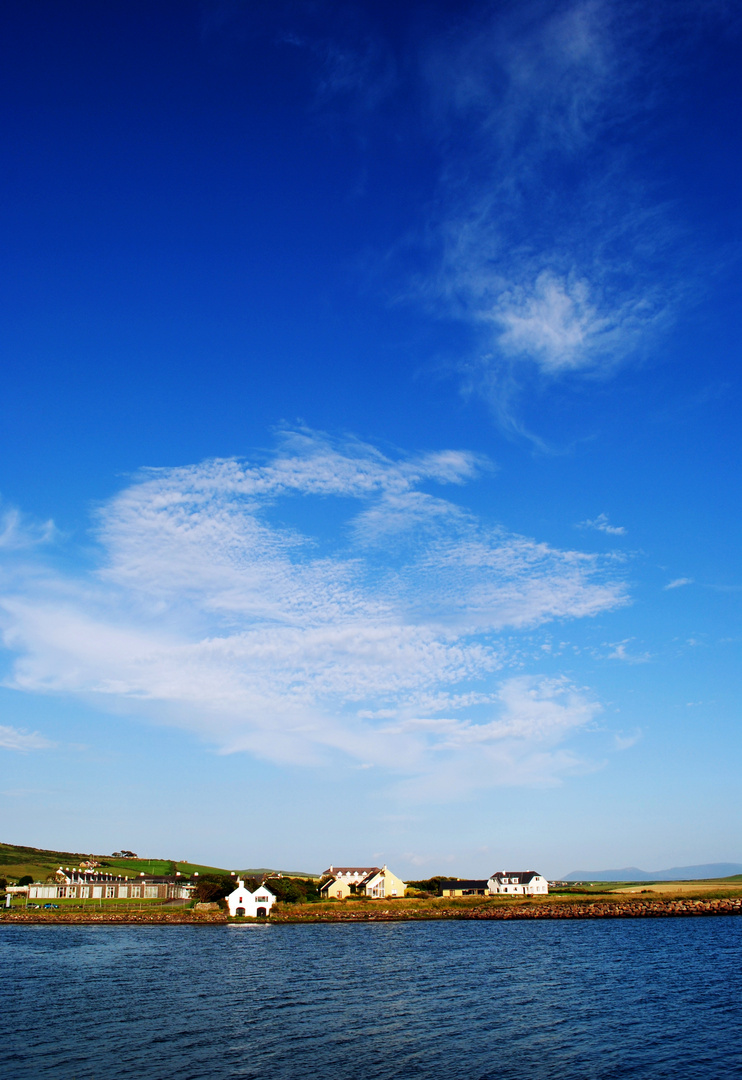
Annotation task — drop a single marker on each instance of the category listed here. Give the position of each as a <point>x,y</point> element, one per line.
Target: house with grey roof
<point>518,883</point>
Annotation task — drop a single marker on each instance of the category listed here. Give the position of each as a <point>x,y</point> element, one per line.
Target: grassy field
<point>730,886</point>
<point>17,861</point>
<point>727,886</point>
<point>135,867</point>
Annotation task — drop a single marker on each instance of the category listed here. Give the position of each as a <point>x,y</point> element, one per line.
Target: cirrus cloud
<point>224,603</point>
<point>12,738</point>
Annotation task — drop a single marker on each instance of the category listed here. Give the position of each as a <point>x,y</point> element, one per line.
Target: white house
<point>254,904</point>
<point>518,883</point>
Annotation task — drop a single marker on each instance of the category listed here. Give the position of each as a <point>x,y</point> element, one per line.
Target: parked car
<point>48,907</point>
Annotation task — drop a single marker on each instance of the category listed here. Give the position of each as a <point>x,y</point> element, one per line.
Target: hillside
<point>17,861</point>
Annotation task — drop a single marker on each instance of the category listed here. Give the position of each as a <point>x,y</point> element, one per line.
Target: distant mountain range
<point>675,873</point>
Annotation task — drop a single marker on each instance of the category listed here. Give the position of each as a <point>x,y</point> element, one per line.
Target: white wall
<point>250,902</point>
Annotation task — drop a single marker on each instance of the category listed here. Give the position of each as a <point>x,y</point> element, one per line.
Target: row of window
<point>151,892</point>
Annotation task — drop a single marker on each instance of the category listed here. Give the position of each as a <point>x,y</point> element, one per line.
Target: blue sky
<point>369,442</point>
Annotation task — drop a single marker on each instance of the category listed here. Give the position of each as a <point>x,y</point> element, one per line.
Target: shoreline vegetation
<point>298,899</point>
<point>407,910</point>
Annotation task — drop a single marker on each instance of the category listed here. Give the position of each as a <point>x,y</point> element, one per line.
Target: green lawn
<point>17,861</point>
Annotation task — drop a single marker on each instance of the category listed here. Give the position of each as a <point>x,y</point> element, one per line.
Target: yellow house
<point>372,881</point>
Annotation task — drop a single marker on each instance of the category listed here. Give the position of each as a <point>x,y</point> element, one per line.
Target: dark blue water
<point>619,998</point>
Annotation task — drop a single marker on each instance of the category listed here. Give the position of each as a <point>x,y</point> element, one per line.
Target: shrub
<point>293,890</point>
<point>214,887</point>
<point>432,885</point>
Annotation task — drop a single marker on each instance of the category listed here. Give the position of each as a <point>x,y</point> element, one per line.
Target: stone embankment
<point>159,918</point>
<point>606,909</point>
<point>559,909</point>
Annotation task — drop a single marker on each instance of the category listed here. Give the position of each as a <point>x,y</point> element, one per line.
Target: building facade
<point>518,883</point>
<point>255,905</point>
<point>464,888</point>
<point>378,883</point>
<point>91,885</point>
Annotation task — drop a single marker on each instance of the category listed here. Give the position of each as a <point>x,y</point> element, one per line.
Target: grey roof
<point>524,877</point>
<point>361,871</point>
<point>365,874</point>
<point>464,884</point>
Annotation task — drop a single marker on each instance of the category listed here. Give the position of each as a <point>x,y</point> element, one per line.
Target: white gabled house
<point>518,883</point>
<point>253,904</point>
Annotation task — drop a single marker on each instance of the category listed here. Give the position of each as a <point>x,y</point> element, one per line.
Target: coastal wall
<point>598,909</point>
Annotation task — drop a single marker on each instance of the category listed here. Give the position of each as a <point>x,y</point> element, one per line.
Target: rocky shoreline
<point>597,909</point>
<point>592,910</point>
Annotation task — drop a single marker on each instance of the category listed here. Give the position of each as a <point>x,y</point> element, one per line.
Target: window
<point>84,892</point>
<point>123,890</point>
<point>110,891</point>
<point>136,890</point>
<point>150,891</point>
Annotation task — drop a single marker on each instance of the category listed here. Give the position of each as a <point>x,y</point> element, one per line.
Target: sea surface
<point>620,998</point>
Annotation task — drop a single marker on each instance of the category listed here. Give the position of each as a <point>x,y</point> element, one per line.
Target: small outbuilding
<point>256,904</point>
<point>464,888</point>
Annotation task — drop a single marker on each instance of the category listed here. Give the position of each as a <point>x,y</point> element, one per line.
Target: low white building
<point>253,904</point>
<point>92,885</point>
<point>518,883</point>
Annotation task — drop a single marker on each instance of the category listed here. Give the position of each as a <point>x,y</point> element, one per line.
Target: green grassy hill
<point>17,861</point>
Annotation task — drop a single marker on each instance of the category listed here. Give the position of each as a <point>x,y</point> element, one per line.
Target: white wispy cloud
<point>678,583</point>
<point>223,604</point>
<point>602,524</point>
<point>553,322</point>
<point>18,531</point>
<point>534,715</point>
<point>623,741</point>
<point>544,231</point>
<point>549,243</point>
<point>12,738</point>
<point>620,650</point>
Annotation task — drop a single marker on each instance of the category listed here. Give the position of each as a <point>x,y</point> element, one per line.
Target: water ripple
<point>594,1000</point>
